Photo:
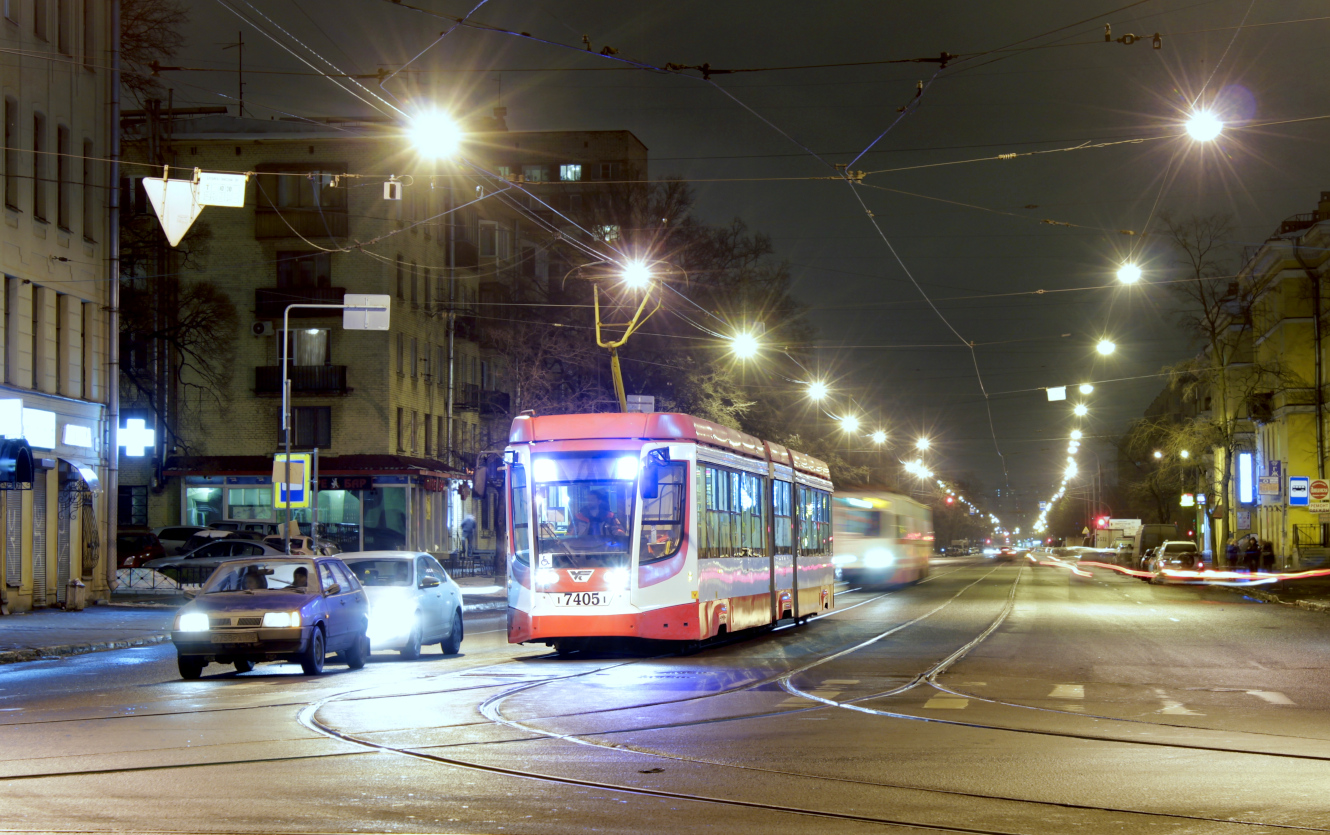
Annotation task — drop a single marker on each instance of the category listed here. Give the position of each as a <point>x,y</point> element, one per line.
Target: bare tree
<point>149,32</point>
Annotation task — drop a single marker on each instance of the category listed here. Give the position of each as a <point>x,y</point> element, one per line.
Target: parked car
<point>196,566</point>
<point>203,537</point>
<point>412,599</point>
<point>260,528</point>
<point>1179,554</point>
<point>174,537</point>
<point>135,546</point>
<point>283,608</point>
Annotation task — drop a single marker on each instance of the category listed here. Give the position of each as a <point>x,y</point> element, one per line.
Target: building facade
<point>399,417</point>
<point>56,411</point>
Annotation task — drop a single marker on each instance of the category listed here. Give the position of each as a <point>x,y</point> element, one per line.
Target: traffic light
<point>950,500</point>
<point>1103,521</point>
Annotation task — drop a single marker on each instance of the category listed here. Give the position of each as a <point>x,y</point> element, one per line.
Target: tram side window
<point>780,495</point>
<point>753,513</point>
<point>814,521</point>
<point>718,522</point>
<point>662,517</point>
<point>866,523</point>
<point>521,515</point>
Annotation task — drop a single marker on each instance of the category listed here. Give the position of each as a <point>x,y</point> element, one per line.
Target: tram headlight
<point>546,576</point>
<point>616,579</point>
<point>843,559</point>
<point>626,468</point>
<point>544,469</point>
<point>879,558</point>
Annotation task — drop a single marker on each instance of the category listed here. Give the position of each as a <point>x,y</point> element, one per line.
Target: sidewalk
<point>47,633</point>
<point>483,592</point>
<point>1312,593</point>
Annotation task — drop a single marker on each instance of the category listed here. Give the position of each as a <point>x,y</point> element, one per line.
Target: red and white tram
<point>660,526</point>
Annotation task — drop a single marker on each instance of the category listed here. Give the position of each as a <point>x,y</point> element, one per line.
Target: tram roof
<point>658,426</point>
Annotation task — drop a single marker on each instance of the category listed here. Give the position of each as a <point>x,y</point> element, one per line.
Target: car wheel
<point>190,666</point>
<point>411,651</point>
<point>453,643</point>
<point>312,661</point>
<point>244,666</point>
<point>358,654</point>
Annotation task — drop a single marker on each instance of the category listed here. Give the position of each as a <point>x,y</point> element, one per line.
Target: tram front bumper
<point>671,623</point>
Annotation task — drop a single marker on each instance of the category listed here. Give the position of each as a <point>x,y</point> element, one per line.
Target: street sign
<point>1188,500</point>
<point>1057,393</point>
<point>1298,488</point>
<point>1043,505</point>
<point>1268,485</point>
<point>365,312</point>
<point>176,203</point>
<point>644,403</point>
<point>299,485</point>
<point>1318,494</point>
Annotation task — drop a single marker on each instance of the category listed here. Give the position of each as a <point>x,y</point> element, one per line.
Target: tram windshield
<point>584,509</point>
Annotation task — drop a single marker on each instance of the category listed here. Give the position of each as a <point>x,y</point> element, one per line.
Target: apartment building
<point>55,249</point>
<point>398,417</point>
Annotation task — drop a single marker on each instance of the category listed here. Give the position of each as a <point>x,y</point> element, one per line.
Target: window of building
<point>609,171</point>
<point>503,243</point>
<point>304,269</point>
<point>91,197</point>
<point>504,171</point>
<point>39,18</point>
<point>415,285</point>
<point>609,233</point>
<point>64,187</point>
<point>426,280</point>
<point>89,32</point>
<point>428,437</point>
<point>64,34</point>
<point>401,428</point>
<point>414,422</point>
<point>10,14</point>
<point>39,150</point>
<point>570,173</point>
<point>11,153</point>
<point>534,173</point>
<point>312,426</point>
<point>310,346</point>
<point>313,190</point>
<point>401,278</point>
<point>133,505</point>
<point>414,360</point>
<point>249,503</point>
<point>439,438</point>
<point>488,235</point>
<point>401,352</point>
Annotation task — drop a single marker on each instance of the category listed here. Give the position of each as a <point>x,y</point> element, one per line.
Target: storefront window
<point>203,505</point>
<point>339,518</point>
<point>249,503</point>
<point>385,518</point>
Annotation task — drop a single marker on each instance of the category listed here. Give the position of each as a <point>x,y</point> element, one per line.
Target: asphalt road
<point>990,698</point>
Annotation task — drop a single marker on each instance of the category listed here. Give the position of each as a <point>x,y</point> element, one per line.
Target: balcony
<point>494,404</point>
<point>300,223</point>
<point>467,398</point>
<point>307,380</point>
<point>271,302</point>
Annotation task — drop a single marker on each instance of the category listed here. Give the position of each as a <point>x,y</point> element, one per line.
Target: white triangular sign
<point>176,203</point>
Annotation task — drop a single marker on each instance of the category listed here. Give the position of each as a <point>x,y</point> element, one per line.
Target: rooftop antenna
<point>239,46</point>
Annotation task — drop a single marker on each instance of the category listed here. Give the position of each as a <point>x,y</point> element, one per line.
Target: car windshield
<point>584,509</point>
<point>381,572</point>
<point>1174,547</point>
<point>261,575</point>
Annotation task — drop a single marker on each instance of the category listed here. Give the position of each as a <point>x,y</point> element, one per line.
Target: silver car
<point>412,601</point>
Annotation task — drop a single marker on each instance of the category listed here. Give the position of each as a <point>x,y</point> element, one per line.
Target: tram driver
<point>596,519</point>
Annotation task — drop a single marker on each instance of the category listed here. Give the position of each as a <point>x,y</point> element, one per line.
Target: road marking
<point>1175,620</point>
<point>843,682</point>
<point>1274,697</point>
<point>829,695</point>
<point>1068,691</point>
<point>1174,708</point>
<point>974,684</point>
<point>946,703</point>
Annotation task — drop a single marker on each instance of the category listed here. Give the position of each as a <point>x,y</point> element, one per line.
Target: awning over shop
<point>87,474</point>
<point>15,462</point>
<point>330,465</point>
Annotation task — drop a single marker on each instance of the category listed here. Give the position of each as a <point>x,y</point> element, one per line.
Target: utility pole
<point>239,47</point>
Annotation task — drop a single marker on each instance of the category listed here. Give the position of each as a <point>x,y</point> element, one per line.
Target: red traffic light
<point>1103,521</point>
<point>950,500</point>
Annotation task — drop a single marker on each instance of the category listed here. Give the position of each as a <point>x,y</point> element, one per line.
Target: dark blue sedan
<point>274,609</point>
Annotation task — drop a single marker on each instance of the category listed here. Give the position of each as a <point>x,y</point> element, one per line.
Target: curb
<point>1309,605</point>
<point>38,653</point>
<point>485,607</point>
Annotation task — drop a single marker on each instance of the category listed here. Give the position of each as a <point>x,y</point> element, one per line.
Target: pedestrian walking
<point>1232,551</point>
<point>1267,556</point>
<point>1252,555</point>
<point>468,535</point>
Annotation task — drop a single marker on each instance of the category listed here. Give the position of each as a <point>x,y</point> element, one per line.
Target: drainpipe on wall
<point>452,331</point>
<point>1316,338</point>
<point>112,447</point>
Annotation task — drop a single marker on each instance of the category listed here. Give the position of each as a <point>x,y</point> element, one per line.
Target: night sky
<point>979,262</point>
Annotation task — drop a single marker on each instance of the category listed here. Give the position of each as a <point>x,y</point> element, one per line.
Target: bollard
<point>75,592</point>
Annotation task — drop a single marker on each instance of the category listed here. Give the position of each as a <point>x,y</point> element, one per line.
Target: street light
<point>1080,410</point>
<point>1129,273</point>
<point>1105,347</point>
<point>1184,454</point>
<point>744,345</point>
<point>1158,455</point>
<point>434,134</point>
<point>1086,388</point>
<point>879,437</point>
<point>817,390</point>
<point>923,444</point>
<point>849,423</point>
<point>1076,434</point>
<point>1204,125</point>
<point>636,275</point>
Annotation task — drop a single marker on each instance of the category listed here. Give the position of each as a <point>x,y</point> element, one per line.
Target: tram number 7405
<point>582,598</point>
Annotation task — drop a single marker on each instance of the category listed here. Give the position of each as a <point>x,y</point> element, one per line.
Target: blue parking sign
<point>1299,488</point>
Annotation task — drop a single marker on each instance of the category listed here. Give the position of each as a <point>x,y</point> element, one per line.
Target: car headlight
<point>617,579</point>
<point>281,620</point>
<point>547,576</point>
<point>878,558</point>
<point>192,622</point>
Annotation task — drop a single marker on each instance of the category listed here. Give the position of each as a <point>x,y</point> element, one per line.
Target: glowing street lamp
<point>1129,273</point>
<point>1080,410</point>
<point>817,390</point>
<point>1204,126</point>
<point>1184,454</point>
<point>1086,388</point>
<point>879,437</point>
<point>1158,455</point>
<point>1076,434</point>
<point>434,134</point>
<point>744,345</point>
<point>849,423</point>
<point>922,444</point>
<point>1105,347</point>
<point>636,275</point>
